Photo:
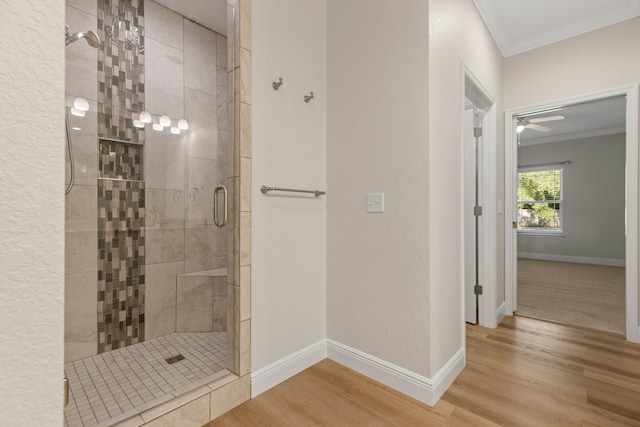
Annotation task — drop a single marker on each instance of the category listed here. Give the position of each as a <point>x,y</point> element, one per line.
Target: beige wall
<point>32,212</point>
<point>289,150</point>
<point>394,279</point>
<point>378,264</point>
<point>594,62</point>
<point>457,33</point>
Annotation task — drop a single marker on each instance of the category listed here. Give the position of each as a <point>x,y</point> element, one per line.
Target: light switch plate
<point>375,202</point>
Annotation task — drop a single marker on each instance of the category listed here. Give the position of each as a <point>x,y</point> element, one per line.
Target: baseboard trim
<point>427,390</point>
<point>501,312</point>
<point>569,258</point>
<point>271,375</point>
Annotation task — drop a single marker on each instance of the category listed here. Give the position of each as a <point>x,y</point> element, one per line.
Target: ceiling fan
<point>527,123</point>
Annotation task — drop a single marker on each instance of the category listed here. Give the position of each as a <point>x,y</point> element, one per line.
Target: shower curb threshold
<point>177,399</point>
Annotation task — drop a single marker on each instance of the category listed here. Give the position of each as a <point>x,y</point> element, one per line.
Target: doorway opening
<point>571,190</point>
<point>479,203</point>
<point>570,195</point>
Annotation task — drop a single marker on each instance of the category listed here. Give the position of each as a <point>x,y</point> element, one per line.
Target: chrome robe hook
<point>308,98</point>
<point>276,85</point>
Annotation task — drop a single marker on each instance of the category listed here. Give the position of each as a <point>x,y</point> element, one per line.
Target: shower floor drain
<point>173,359</point>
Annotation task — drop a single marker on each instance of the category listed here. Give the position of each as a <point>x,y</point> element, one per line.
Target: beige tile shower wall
<point>81,237</point>
<point>165,168</point>
<point>202,304</point>
<point>220,304</point>
<point>81,256</point>
<point>239,232</point>
<point>160,304</point>
<point>182,171</point>
<point>81,61</point>
<point>195,304</point>
<point>244,282</point>
<point>206,106</point>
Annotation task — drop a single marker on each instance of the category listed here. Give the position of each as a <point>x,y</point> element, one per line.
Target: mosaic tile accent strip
<point>121,277</point>
<point>108,388</point>
<point>120,69</point>
<point>120,160</point>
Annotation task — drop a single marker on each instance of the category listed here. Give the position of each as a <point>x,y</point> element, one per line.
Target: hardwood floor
<point>524,373</point>
<point>592,296</point>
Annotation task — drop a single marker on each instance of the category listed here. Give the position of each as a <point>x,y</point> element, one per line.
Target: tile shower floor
<point>116,385</point>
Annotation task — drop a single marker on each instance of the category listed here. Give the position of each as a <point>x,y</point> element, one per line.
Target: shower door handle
<point>66,391</point>
<point>216,211</point>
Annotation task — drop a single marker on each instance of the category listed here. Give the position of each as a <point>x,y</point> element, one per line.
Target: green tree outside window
<point>540,200</point>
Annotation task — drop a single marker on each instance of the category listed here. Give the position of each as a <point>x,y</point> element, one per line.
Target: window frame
<point>542,233</point>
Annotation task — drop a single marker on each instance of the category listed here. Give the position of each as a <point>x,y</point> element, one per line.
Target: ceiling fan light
<point>520,128</point>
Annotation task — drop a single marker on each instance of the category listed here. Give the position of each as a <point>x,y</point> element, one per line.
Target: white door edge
<point>488,268</point>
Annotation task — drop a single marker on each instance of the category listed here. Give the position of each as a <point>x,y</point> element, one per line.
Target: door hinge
<point>477,289</point>
<point>514,225</point>
<point>477,132</point>
<point>477,210</point>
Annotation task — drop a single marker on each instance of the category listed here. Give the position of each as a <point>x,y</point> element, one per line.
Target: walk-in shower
<point>150,304</point>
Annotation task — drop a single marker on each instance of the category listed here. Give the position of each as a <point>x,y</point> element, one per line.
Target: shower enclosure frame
<point>235,389</point>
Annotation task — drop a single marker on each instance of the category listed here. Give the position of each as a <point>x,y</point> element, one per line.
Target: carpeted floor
<point>592,296</point>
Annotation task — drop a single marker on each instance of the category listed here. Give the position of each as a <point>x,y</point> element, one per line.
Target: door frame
<point>487,302</point>
<point>631,197</point>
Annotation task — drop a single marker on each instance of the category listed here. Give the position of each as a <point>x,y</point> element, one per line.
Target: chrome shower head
<point>90,36</point>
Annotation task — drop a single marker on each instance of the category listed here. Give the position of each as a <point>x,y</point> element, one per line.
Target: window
<point>540,201</point>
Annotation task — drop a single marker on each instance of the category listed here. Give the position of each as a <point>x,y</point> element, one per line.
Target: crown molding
<point>573,136</point>
<point>509,46</point>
